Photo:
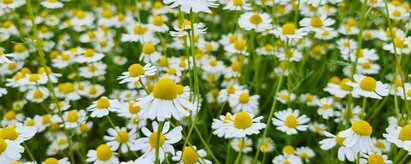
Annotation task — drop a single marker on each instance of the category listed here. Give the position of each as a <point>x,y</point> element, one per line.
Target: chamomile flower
<point>165,102</point>
<point>149,53</point>
<point>368,87</point>
<point>103,154</point>
<point>103,106</point>
<point>290,122</point>
<point>52,4</point>
<point>190,155</point>
<point>37,95</point>
<point>194,5</point>
<point>316,23</point>
<point>244,124</point>
<point>258,22</point>
<point>18,132</point>
<point>317,127</point>
<point>11,118</point>
<point>371,157</point>
<point>325,109</point>
<point>136,72</point>
<point>73,118</point>
<point>266,145</point>
<point>56,161</point>
<point>305,153</point>
<point>237,5</point>
<point>242,101</point>
<point>4,58</point>
<point>242,144</point>
<point>221,125</point>
<point>280,159</point>
<point>149,143</point>
<point>89,56</point>
<point>284,96</point>
<point>120,138</point>
<point>343,151</point>
<point>10,150</point>
<point>357,138</point>
<point>288,31</point>
<point>400,136</point>
<point>11,4</point>
<point>380,145</point>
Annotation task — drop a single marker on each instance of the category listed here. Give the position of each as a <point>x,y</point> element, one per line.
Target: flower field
<point>205,81</point>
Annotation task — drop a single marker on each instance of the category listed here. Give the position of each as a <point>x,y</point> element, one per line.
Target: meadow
<point>205,81</point>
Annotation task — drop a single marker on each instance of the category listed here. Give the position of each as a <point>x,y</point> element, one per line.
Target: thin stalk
<point>160,128</point>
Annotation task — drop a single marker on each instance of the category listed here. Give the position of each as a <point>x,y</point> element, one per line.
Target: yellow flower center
<point>104,152</point>
<point>284,96</point>
<point>133,109</point>
<point>122,136</point>
<point>8,1</point>
<point>316,22</point>
<point>309,98</point>
<point>239,44</point>
<point>89,52</point>
<point>148,48</point>
<point>325,33</point>
<point>163,61</point>
<point>236,66</point>
<point>405,133</point>
<point>344,86</point>
<point>268,47</point>
<point>68,88</point>
<point>65,57</point>
<point>326,106</point>
<point>72,116</point>
<point>152,140</point>
<point>30,122</point>
<point>12,66</point>
<point>339,140</point>
<point>46,119</point>
<point>244,98</point>
<point>171,71</point>
<point>107,14</point>
<point>375,159</point>
<point>158,20</point>
<point>409,92</point>
<point>368,84</point>
<point>92,90</point>
<point>361,127</point>
<point>189,156</point>
<point>51,160</point>
<point>10,115</point>
<point>289,149</point>
<point>232,38</point>
<point>379,144</point>
<point>34,77</point>
<point>209,47</point>
<point>242,120</point>
<point>255,19</point>
<point>238,2</point>
<point>165,89</point>
<point>7,24</point>
<point>37,94</point>
<point>139,29</point>
<point>136,70</point>
<point>102,103</point>
<point>3,145</point>
<point>80,14</point>
<point>396,13</point>
<point>242,144</point>
<point>291,121</point>
<point>83,128</point>
<point>19,48</point>
<point>9,133</point>
<point>180,89</point>
<point>158,5</point>
<point>288,29</point>
<point>230,89</point>
<point>366,65</point>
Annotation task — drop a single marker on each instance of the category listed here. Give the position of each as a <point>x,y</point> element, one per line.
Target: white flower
<point>372,157</point>
<point>242,101</point>
<point>192,5</point>
<point>190,155</point>
<point>242,144</point>
<point>244,124</point>
<point>135,72</point>
<point>102,155</point>
<point>120,138</point>
<point>290,122</point>
<point>10,150</point>
<point>255,21</point>
<point>368,87</point>
<point>148,144</point>
<point>102,106</point>
<point>357,138</point>
<point>400,136</point>
<point>343,151</point>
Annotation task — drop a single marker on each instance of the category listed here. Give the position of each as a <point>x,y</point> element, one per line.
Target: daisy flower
<point>56,161</point>
<point>343,151</point>
<point>244,124</point>
<point>357,138</point>
<point>149,143</point>
<point>400,136</point>
<point>281,159</point>
<point>242,144</point>
<point>103,154</point>
<point>284,96</point>
<point>368,87</point>
<point>339,88</point>
<point>288,31</point>
<point>102,106</point>
<point>10,150</point>
<point>192,5</point>
<point>290,122</point>
<point>74,118</point>
<point>242,101</point>
<point>305,153</point>
<point>266,145</point>
<point>12,4</point>
<point>11,118</point>
<point>221,125</point>
<point>183,30</point>
<point>165,102</point>
<point>255,21</point>
<point>371,157</point>
<point>237,5</point>
<point>89,56</point>
<point>190,155</point>
<point>18,132</point>
<point>52,4</point>
<point>326,109</point>
<point>4,57</point>
<point>37,95</point>
<point>120,138</point>
<point>136,71</point>
<point>380,145</point>
<point>149,53</point>
<point>316,23</point>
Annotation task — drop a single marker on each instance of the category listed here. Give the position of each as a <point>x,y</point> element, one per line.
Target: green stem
<point>29,152</point>
<point>160,128</point>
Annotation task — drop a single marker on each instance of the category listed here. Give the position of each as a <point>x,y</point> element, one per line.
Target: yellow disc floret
<point>243,120</point>
<point>165,89</point>
<point>361,127</point>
